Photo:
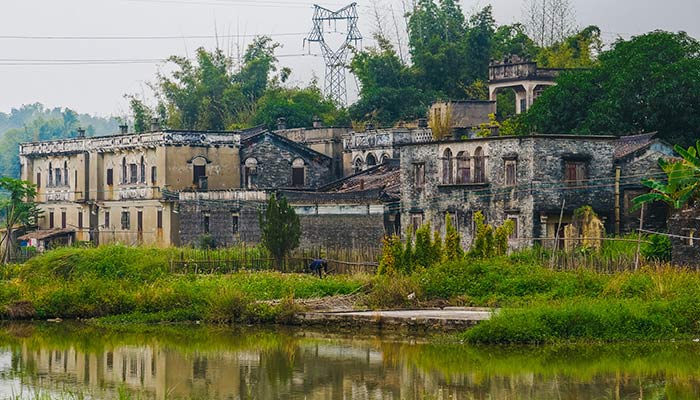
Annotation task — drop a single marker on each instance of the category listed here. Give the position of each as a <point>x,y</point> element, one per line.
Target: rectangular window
<point>513,235</point>
<point>154,175</point>
<point>298,176</point>
<point>139,221</point>
<point>63,220</point>
<point>80,219</point>
<point>38,180</point>
<point>234,223</point>
<point>126,220</point>
<point>110,177</point>
<point>160,219</point>
<point>199,171</point>
<point>416,221</point>
<point>511,172</point>
<point>107,219</point>
<point>57,173</point>
<point>206,224</point>
<point>133,173</point>
<point>51,222</point>
<point>575,173</point>
<point>419,176</point>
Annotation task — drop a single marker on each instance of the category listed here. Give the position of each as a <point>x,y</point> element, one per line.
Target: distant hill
<point>34,122</point>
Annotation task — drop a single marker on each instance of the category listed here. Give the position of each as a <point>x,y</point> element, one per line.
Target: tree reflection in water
<point>232,363</point>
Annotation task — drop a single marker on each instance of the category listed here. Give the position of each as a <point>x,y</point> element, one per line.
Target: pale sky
<point>30,45</point>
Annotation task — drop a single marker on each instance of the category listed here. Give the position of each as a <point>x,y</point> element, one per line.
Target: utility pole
<point>335,59</point>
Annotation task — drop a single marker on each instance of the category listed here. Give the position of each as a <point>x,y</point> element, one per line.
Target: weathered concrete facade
<point>364,150</point>
<point>526,179</point>
<point>270,161</point>
<point>115,189</point>
<point>464,115</point>
<point>328,141</point>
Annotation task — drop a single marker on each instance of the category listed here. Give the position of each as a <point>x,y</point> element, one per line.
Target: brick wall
<point>221,217</point>
<point>344,231</point>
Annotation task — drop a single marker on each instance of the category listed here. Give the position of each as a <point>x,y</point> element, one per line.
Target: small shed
<point>44,240</point>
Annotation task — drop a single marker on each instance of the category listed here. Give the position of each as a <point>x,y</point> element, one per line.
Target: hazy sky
<point>30,47</point>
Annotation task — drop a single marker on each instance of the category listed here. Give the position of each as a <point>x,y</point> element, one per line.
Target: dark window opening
<point>143,170</point>
<point>416,221</point>
<point>57,173</point>
<point>51,222</point>
<point>199,171</point>
<point>298,178</point>
<point>206,224</point>
<point>63,220</point>
<point>514,235</point>
<point>463,167</point>
<point>110,177</point>
<point>80,219</point>
<point>124,173</point>
<point>154,175</point>
<point>38,180</point>
<point>106,219</point>
<point>50,175</point>
<point>371,160</point>
<point>160,219</point>
<point>126,220</point>
<point>234,223</point>
<point>139,221</point>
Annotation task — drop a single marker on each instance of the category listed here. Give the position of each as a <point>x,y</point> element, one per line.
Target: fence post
<point>639,238</point>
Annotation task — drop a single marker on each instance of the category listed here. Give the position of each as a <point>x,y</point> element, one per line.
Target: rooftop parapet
<point>103,144</point>
<point>515,68</point>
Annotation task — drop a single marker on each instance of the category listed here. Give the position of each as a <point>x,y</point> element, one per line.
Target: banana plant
<point>683,180</point>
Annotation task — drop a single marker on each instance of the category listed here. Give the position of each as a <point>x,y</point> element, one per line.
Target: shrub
<point>392,292</point>
<point>658,250</point>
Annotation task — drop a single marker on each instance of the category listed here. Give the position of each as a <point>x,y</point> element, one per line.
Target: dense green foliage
<point>299,106</point>
<point>135,284</point>
<point>649,83</point>
<point>18,209</point>
<point>34,122</point>
<point>682,184</point>
<point>280,228</point>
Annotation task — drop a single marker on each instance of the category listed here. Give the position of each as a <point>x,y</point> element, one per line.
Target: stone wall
<point>221,216</point>
<point>341,231</point>
<point>686,223</point>
<point>534,201</point>
<point>274,165</point>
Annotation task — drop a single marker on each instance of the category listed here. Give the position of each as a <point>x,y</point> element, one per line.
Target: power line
<point>49,37</point>
<point>70,62</point>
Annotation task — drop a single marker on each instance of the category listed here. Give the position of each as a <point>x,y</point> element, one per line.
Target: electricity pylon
<point>335,59</point>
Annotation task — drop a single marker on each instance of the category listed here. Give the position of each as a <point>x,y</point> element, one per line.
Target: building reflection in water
<point>296,368</point>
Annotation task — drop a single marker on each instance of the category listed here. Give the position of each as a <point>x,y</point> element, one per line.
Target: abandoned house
<point>521,76</point>
<point>115,188</point>
<point>527,179</point>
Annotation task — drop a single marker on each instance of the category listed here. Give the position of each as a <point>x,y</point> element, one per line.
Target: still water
<point>75,361</point>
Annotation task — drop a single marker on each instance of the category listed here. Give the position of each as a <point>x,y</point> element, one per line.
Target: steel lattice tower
<point>335,59</point>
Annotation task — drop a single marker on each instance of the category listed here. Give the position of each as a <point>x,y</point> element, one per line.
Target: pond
<point>195,362</point>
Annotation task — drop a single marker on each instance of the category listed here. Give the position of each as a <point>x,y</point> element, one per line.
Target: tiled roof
<point>627,145</point>
<point>386,176</point>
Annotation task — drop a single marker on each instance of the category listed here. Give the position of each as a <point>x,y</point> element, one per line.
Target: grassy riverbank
<point>538,304</point>
<point>135,285</point>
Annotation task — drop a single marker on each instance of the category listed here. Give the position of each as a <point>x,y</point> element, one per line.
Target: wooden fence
<point>223,261</point>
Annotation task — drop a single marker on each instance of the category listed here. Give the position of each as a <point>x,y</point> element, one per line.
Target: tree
<point>549,21</point>
<point>580,50</point>
<point>19,210</point>
<point>453,241</point>
<point>388,88</point>
<point>280,229</point>
<point>298,106</point>
<point>682,185</point>
<point>646,84</point>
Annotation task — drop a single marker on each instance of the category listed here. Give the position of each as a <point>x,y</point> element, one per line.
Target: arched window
<point>50,174</point>
<point>65,173</point>
<point>298,178</point>
<point>125,179</point>
<point>358,165</point>
<point>385,158</point>
<point>143,170</point>
<point>371,160</point>
<point>463,167</point>
<point>447,167</point>
<point>479,167</point>
<point>250,170</point>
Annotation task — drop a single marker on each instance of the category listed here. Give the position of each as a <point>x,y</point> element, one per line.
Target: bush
<point>658,250</point>
<point>392,292</point>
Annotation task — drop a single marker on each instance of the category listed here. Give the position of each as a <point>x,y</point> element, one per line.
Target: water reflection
<point>206,363</point>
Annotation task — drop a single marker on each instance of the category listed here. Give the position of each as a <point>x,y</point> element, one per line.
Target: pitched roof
<point>47,234</point>
<point>386,177</point>
<point>627,145</point>
<point>298,148</point>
